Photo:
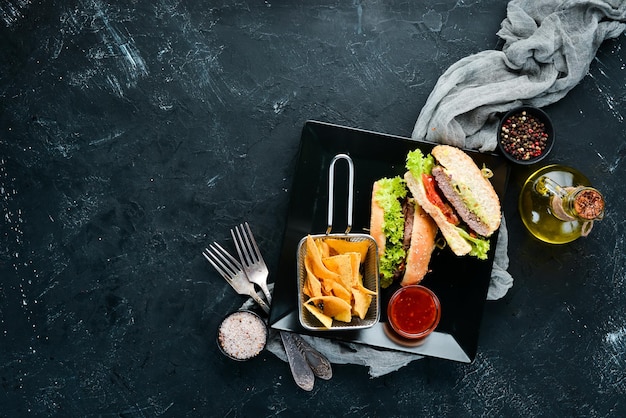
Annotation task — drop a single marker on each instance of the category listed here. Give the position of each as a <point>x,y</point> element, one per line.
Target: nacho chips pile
<point>334,283</point>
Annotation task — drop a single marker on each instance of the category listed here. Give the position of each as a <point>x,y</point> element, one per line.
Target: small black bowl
<point>525,135</point>
<point>242,335</point>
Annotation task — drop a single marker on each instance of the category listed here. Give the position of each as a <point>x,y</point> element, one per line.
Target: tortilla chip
<point>305,288</point>
<point>355,261</point>
<point>323,247</point>
<point>358,284</point>
<point>312,283</point>
<point>342,265</point>
<point>362,301</point>
<point>341,292</point>
<point>334,307</point>
<point>364,289</point>
<point>326,320</point>
<point>342,246</point>
<point>315,259</point>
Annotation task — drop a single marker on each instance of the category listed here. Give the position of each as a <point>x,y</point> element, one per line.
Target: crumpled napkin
<point>548,47</point>
<point>378,361</point>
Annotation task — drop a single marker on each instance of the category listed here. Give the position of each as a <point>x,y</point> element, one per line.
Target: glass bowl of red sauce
<point>413,312</point>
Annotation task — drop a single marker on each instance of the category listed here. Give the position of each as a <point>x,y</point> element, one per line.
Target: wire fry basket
<point>369,266</point>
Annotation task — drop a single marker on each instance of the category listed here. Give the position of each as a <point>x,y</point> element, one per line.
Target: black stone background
<point>134,133</point>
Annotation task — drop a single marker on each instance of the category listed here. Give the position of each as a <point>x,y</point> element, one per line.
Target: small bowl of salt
<point>242,335</point>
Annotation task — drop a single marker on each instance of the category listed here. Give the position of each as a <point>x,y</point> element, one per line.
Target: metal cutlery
<point>300,369</point>
<point>318,363</point>
<point>251,259</point>
<point>255,268</point>
<point>304,361</point>
<point>232,271</point>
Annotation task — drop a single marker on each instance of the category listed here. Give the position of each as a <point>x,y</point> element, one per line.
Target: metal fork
<point>251,258</point>
<point>233,272</point>
<point>257,272</point>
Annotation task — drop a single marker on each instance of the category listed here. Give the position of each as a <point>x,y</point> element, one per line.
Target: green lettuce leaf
<point>419,164</point>
<point>480,245</point>
<point>391,192</point>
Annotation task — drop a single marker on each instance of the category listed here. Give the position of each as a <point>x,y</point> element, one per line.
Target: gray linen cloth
<point>548,47</point>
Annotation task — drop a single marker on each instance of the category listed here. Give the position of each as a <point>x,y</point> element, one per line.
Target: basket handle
<point>331,181</point>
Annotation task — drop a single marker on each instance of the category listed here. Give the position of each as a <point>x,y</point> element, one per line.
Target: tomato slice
<point>435,199</point>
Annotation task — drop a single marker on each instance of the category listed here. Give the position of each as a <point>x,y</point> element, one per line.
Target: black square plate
<point>461,283</point>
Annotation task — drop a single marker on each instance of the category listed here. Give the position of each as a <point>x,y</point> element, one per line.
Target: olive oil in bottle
<point>558,205</point>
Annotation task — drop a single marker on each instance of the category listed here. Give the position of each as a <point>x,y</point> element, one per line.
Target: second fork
<point>251,259</point>
<point>232,271</point>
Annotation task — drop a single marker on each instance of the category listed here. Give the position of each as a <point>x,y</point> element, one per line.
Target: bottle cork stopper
<point>589,204</point>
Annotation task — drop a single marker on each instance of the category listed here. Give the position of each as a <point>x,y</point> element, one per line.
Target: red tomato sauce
<point>413,311</point>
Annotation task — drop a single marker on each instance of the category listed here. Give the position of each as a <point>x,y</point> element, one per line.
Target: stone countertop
<point>134,133</point>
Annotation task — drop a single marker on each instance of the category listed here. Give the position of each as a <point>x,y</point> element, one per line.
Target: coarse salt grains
<point>242,335</point>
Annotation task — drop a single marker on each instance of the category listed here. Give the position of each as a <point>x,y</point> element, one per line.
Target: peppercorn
<point>523,136</point>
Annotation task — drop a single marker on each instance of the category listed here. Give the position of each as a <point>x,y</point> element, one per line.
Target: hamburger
<point>441,191</point>
<point>451,188</point>
<point>403,231</point>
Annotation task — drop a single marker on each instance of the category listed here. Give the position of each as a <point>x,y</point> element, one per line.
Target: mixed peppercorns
<point>523,136</point>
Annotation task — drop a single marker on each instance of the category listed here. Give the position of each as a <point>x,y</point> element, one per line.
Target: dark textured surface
<point>134,133</point>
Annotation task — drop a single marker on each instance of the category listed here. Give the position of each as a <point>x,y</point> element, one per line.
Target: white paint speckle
<point>616,338</point>
<point>213,181</point>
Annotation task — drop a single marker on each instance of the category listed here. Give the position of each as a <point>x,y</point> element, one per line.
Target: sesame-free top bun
<point>459,167</point>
